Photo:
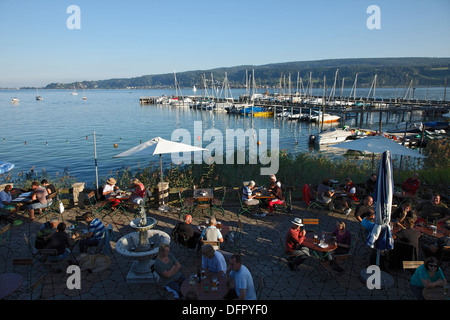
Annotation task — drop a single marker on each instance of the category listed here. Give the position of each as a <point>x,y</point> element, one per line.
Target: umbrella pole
<point>163,206</point>
<point>95,157</point>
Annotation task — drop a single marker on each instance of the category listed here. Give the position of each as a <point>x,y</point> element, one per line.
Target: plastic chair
<point>53,207</point>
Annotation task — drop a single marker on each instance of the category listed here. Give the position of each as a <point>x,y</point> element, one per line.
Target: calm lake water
<point>57,133</point>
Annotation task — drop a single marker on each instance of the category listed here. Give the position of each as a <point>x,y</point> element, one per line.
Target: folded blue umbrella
<point>5,167</point>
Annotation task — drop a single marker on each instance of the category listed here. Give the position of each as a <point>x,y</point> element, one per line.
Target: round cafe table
<point>436,293</point>
<point>204,289</point>
<point>9,282</point>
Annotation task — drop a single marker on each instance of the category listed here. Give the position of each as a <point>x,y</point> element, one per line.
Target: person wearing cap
<point>184,234</point>
<point>109,187</point>
<point>294,239</point>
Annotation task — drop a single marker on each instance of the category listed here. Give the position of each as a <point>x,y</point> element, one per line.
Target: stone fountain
<point>140,246</point>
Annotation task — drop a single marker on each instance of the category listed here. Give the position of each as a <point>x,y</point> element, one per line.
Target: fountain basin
<point>128,246</point>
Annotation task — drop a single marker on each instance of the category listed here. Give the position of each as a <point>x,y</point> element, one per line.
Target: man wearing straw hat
<point>109,187</point>
<point>294,247</point>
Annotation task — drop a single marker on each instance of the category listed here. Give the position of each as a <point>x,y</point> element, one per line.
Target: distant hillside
<point>389,71</point>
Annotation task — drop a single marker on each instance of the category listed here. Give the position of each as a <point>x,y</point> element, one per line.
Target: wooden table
<point>203,197</point>
<point>424,230</point>
<point>9,282</point>
<point>204,289</point>
<point>436,293</point>
<point>319,252</point>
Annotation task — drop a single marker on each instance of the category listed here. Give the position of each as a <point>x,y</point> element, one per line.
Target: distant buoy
<point>115,145</point>
<point>258,143</point>
<point>198,138</point>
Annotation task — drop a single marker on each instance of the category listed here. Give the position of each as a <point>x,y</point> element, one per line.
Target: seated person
<point>370,184</point>
<point>138,194</point>
<point>343,240</point>
<point>38,199</point>
<point>109,188</point>
<point>410,186</point>
<point>364,208</point>
<point>402,212</point>
<point>368,222</point>
<point>249,198</point>
<point>169,270</point>
<point>50,188</point>
<point>213,260</point>
<point>428,275</point>
<point>96,231</point>
<point>293,246</point>
<point>437,247</point>
<point>6,203</point>
<point>60,241</point>
<point>185,234</point>
<point>279,199</point>
<point>350,196</point>
<point>273,179</point>
<point>45,232</point>
<point>410,236</point>
<point>211,233</point>
<point>244,288</point>
<point>433,209</point>
<point>325,193</point>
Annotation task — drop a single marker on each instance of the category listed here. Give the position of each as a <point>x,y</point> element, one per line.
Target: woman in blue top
<point>428,275</point>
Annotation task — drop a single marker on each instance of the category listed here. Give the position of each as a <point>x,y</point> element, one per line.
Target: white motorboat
<point>15,100</point>
<point>327,118</point>
<point>284,114</point>
<point>336,135</point>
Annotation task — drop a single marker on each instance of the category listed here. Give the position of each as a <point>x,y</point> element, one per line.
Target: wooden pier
<point>355,107</point>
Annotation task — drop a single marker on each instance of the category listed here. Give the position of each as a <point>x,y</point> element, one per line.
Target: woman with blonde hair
<point>139,191</point>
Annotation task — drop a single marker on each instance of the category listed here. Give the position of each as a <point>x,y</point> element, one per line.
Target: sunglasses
<point>432,265</point>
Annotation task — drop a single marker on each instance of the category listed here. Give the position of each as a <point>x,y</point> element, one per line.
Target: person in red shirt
<point>410,185</point>
<point>293,246</point>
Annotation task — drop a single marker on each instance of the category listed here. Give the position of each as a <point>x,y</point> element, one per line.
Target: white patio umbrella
<point>159,146</point>
<point>5,167</point>
<point>378,144</point>
<point>380,238</point>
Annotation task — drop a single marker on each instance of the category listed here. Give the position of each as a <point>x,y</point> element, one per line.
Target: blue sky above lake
<point>134,38</point>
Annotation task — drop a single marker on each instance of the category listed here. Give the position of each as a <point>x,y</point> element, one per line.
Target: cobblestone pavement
<point>260,248</point>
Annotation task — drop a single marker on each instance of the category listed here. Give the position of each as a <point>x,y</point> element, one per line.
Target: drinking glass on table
<point>214,282</point>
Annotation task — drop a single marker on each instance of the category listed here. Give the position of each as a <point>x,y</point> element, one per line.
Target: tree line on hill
<point>391,72</point>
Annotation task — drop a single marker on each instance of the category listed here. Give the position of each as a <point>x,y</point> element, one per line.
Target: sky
<point>45,41</point>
